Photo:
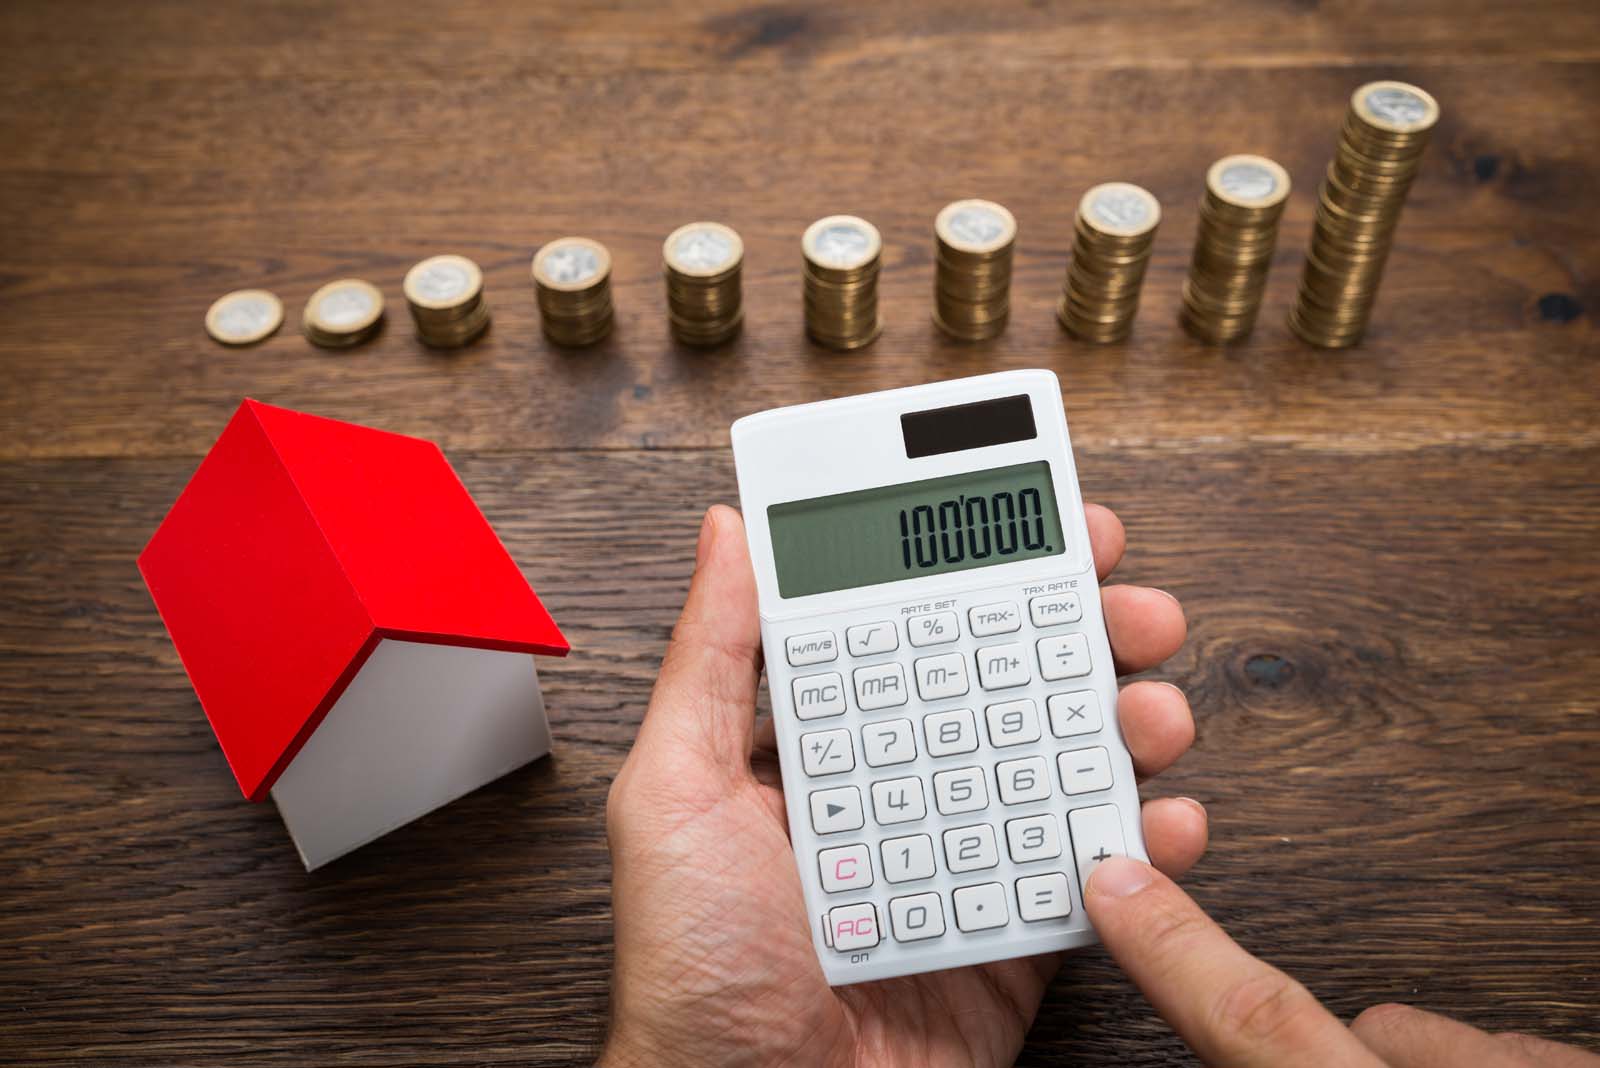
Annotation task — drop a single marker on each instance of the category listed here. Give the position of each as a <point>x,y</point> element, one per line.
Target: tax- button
<point>819,647</point>
<point>1002,666</point>
<point>1056,608</point>
<point>852,927</point>
<point>1001,617</point>
<point>846,868</point>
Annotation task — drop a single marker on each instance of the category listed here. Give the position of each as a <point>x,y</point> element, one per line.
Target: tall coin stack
<point>1380,148</point>
<point>445,294</point>
<point>573,279</point>
<point>972,284</point>
<point>1239,215</point>
<point>1115,230</point>
<point>343,313</point>
<point>702,266</point>
<point>842,255</point>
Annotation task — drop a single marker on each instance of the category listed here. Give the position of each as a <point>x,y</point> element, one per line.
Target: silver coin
<point>1120,208</point>
<point>345,307</point>
<point>703,250</point>
<point>976,225</point>
<point>840,245</point>
<point>1397,106</point>
<point>246,316</point>
<point>442,280</point>
<point>571,264</point>
<point>1248,181</point>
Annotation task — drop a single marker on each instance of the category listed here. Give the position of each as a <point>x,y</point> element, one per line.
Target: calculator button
<point>1044,897</point>
<point>1065,656</point>
<point>1083,771</point>
<point>1096,835</point>
<point>916,917</point>
<point>819,696</point>
<point>981,907</point>
<point>837,810</point>
<point>846,868</point>
<point>1002,666</point>
<point>950,732</point>
<point>907,859</point>
<point>871,638</point>
<point>1054,609</point>
<point>941,676</point>
<point>1072,713</point>
<point>880,686</point>
<point>888,743</point>
<point>1001,617</point>
<point>827,752</point>
<point>1013,722</point>
<point>958,791</point>
<point>1023,780</point>
<point>898,800</point>
<point>1033,838</point>
<point>852,927</point>
<point>970,848</point>
<point>819,647</point>
<point>934,629</point>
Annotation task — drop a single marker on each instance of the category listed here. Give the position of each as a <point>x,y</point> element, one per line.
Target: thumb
<point>704,703</point>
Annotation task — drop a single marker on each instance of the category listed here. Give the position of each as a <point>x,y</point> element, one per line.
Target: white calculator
<point>942,686</point>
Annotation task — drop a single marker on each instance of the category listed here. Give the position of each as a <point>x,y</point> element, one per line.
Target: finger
<point>1228,1006</point>
<point>1145,626</point>
<point>1175,833</point>
<point>1156,725</point>
<point>704,703</point>
<point>1106,538</point>
<point>1547,1054</point>
<point>1411,1038</point>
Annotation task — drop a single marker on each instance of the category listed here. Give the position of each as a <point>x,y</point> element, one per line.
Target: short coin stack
<point>573,279</point>
<point>1239,215</point>
<point>244,317</point>
<point>972,284</point>
<point>842,255</point>
<point>1116,227</point>
<point>1380,147</point>
<point>445,294</point>
<point>702,265</point>
<point>343,313</point>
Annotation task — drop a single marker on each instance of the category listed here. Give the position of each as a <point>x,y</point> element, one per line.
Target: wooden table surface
<point>1389,555</point>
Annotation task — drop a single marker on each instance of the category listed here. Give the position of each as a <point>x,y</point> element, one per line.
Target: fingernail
<point>702,547</point>
<point>1192,803</point>
<point>1119,877</point>
<point>1165,594</point>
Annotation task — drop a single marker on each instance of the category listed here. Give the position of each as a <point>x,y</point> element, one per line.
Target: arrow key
<point>836,810</point>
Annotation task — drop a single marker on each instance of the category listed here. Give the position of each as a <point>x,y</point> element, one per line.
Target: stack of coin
<point>445,294</point>
<point>1239,214</point>
<point>702,264</point>
<point>1380,147</point>
<point>1116,227</point>
<point>573,278</point>
<point>343,313</point>
<point>244,317</point>
<point>972,278</point>
<point>842,254</point>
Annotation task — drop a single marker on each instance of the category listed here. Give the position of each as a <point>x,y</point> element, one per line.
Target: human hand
<point>714,960</point>
<point>1235,1010</point>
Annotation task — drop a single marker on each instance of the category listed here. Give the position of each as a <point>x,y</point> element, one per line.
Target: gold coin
<point>975,226</point>
<point>571,264</point>
<point>244,317</point>
<point>1395,107</point>
<point>1246,181</point>
<point>1120,209</point>
<point>841,243</point>
<point>440,283</point>
<point>702,249</point>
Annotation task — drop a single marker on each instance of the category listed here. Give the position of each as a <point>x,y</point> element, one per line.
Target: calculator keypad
<point>975,768</point>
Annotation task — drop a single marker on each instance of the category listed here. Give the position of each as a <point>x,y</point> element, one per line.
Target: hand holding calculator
<point>942,685</point>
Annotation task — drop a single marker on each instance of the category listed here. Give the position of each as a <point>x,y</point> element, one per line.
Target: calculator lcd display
<point>912,529</point>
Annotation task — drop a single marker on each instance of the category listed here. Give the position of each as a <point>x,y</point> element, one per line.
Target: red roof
<point>297,546</point>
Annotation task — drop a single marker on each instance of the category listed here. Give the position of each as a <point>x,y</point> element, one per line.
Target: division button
<point>1065,656</point>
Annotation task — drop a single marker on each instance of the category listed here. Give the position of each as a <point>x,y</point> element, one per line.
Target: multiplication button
<point>1074,713</point>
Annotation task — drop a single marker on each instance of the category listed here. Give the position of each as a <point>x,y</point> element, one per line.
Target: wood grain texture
<point>1388,555</point>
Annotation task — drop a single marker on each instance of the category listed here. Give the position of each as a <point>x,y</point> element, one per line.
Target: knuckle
<point>1388,1018</point>
<point>1266,1008</point>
